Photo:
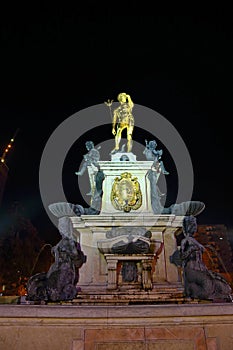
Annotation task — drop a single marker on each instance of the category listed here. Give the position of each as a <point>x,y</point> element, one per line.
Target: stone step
<point>101,297</point>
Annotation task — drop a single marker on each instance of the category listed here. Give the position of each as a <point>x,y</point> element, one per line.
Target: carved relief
<point>126,193</point>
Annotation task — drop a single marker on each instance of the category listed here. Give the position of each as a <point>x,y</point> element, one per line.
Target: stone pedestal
<point>138,170</point>
<point>98,273</point>
<point>204,326</point>
<point>143,262</point>
<point>126,213</point>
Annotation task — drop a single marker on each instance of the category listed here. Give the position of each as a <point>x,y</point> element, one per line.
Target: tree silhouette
<point>19,249</point>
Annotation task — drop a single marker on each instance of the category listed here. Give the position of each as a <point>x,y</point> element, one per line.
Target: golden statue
<point>123,118</point>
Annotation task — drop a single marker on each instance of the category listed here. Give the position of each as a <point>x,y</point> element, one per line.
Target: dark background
<point>57,60</point>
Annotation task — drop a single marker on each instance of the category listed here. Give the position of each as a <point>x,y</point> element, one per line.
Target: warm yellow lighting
<point>9,146</point>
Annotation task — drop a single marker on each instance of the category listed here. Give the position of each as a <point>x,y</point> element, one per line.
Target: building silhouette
<point>218,255</point>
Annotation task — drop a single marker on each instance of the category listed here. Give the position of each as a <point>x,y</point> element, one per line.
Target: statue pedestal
<point>144,266</point>
<point>98,275</point>
<point>127,223</point>
<point>121,179</point>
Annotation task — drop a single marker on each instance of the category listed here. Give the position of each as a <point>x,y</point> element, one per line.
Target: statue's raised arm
<point>129,101</point>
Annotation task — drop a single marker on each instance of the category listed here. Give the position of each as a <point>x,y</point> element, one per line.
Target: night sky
<point>56,61</point>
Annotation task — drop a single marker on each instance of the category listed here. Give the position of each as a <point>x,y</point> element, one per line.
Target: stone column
<point>112,272</point>
<point>146,274</point>
<point>159,271</point>
<point>172,275</point>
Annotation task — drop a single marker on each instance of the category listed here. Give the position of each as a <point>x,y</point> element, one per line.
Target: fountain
<point>123,248</point>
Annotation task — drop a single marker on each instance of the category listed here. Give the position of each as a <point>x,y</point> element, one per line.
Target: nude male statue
<point>123,119</point>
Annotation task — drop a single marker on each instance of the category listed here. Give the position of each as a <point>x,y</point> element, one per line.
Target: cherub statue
<point>153,174</point>
<point>152,153</point>
<point>90,159</point>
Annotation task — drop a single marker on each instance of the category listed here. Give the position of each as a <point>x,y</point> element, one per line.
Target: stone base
<point>124,296</point>
<point>95,274</point>
<point>123,156</point>
<point>203,326</point>
<point>143,264</point>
